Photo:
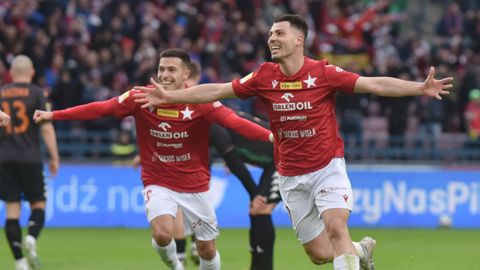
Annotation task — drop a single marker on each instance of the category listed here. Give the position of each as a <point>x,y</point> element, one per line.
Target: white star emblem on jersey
<point>187,114</point>
<point>310,81</point>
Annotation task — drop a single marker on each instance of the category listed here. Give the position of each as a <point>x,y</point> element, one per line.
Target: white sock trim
<point>212,264</point>
<point>346,262</point>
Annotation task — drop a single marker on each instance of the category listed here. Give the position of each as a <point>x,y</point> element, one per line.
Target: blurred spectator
<point>86,50</point>
<point>124,147</point>
<point>451,23</point>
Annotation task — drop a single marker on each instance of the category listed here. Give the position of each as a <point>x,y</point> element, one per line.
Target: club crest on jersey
<point>168,113</point>
<point>291,85</point>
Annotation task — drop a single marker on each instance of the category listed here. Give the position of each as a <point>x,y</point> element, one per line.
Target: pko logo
<point>291,106</point>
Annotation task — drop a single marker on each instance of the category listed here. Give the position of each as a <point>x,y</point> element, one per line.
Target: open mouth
<point>274,49</point>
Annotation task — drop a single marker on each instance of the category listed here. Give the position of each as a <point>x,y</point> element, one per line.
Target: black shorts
<point>22,180</point>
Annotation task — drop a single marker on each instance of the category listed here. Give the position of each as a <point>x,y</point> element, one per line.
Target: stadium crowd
<point>89,50</point>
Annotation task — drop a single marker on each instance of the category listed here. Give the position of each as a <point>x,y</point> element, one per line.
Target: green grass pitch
<point>129,249</point>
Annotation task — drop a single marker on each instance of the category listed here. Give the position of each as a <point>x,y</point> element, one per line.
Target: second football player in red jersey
<point>300,95</point>
<point>173,143</point>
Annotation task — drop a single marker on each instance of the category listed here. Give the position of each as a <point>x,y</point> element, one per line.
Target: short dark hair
<point>295,20</point>
<point>195,68</point>
<point>178,53</point>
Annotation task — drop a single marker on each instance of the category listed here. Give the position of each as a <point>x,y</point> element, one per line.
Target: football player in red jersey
<point>173,144</point>
<point>4,118</point>
<point>237,151</point>
<point>300,95</point>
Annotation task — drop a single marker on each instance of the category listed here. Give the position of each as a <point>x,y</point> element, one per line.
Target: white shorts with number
<point>307,196</point>
<point>199,215</point>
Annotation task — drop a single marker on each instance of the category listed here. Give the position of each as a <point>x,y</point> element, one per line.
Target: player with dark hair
<point>309,152</point>
<point>21,168</point>
<point>173,144</point>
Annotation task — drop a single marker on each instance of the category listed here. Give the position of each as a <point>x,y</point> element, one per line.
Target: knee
<point>161,235</point>
<point>206,249</point>
<point>318,256</point>
<point>336,228</point>
<point>319,253</point>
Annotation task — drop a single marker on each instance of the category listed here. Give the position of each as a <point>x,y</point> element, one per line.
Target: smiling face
<point>284,40</point>
<point>172,73</point>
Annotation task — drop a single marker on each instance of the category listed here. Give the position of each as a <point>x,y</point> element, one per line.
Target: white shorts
<point>307,196</point>
<point>199,215</point>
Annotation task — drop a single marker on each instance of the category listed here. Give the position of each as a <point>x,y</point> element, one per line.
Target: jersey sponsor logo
<point>172,158</point>
<point>296,134</point>
<point>287,96</point>
<point>168,135</point>
<point>274,84</point>
<point>165,134</point>
<point>123,96</point>
<point>164,126</point>
<point>291,85</point>
<point>284,118</point>
<point>173,145</point>
<point>292,106</point>
<point>168,113</point>
<point>246,78</point>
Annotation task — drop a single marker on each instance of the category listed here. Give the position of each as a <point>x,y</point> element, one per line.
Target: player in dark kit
<point>21,169</point>
<point>237,151</point>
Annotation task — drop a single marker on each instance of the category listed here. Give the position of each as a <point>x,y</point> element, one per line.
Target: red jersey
<point>172,139</point>
<point>302,112</point>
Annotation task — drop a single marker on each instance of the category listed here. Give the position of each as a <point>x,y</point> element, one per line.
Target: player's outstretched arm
<point>246,128</point>
<point>87,111</point>
<point>393,87</point>
<point>203,93</point>
<point>4,119</point>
